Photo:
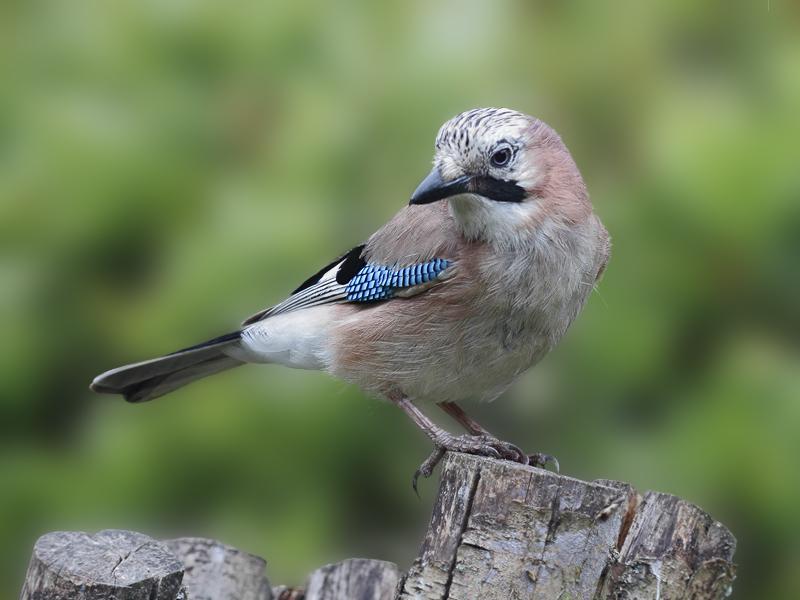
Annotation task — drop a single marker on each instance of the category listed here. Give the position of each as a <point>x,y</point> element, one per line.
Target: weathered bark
<point>672,550</point>
<point>118,565</point>
<point>499,531</point>
<point>214,571</point>
<point>356,578</point>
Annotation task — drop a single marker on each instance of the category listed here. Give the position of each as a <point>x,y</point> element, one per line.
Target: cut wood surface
<point>110,564</point>
<point>498,531</point>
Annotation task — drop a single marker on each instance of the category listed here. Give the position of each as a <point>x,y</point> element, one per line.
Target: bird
<point>469,285</point>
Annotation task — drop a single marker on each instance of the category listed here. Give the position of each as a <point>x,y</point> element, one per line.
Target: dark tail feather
<point>153,378</point>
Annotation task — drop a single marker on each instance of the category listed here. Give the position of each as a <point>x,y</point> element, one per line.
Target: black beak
<point>434,188</point>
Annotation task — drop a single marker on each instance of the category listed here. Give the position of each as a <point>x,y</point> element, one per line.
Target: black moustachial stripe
<point>496,189</point>
<point>433,188</point>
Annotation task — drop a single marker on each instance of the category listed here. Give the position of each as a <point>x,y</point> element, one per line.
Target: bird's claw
<point>488,445</point>
<point>427,467</point>
<point>481,445</point>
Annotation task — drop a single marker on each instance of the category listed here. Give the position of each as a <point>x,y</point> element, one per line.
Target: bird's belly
<point>439,360</point>
<point>475,371</point>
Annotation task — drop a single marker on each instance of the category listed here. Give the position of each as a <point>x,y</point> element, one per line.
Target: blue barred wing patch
<point>352,279</point>
<point>376,282</point>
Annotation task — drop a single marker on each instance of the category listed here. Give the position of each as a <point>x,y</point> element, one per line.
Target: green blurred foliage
<point>167,168</point>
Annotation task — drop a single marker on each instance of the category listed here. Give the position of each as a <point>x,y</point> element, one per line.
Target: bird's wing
<point>353,278</point>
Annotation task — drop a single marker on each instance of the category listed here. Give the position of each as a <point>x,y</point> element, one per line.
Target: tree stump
<point>214,571</point>
<point>499,531</point>
<point>360,578</point>
<point>119,565</point>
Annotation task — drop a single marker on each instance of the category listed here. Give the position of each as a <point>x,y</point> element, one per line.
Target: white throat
<point>504,224</point>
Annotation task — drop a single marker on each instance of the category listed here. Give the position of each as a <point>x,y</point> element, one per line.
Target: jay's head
<point>504,174</point>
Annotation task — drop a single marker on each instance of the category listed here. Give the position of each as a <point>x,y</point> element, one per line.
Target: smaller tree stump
<point>109,565</point>
<point>215,571</point>
<point>356,578</point>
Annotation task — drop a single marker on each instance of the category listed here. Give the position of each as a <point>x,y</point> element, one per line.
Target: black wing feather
<point>351,263</point>
<point>353,256</point>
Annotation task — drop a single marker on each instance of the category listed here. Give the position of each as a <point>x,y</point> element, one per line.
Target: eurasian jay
<point>454,298</point>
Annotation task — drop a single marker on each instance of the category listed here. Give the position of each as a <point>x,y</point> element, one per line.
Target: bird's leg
<point>538,459</point>
<point>476,429</point>
<point>467,422</point>
<point>482,445</point>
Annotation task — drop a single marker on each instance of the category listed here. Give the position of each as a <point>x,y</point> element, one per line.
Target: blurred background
<point>167,168</point>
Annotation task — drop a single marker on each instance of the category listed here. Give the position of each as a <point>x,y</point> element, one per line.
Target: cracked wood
<point>503,531</point>
<point>110,564</point>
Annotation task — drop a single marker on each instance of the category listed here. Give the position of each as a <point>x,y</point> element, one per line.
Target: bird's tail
<point>150,379</point>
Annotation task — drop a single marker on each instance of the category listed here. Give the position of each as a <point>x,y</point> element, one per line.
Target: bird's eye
<point>501,157</point>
